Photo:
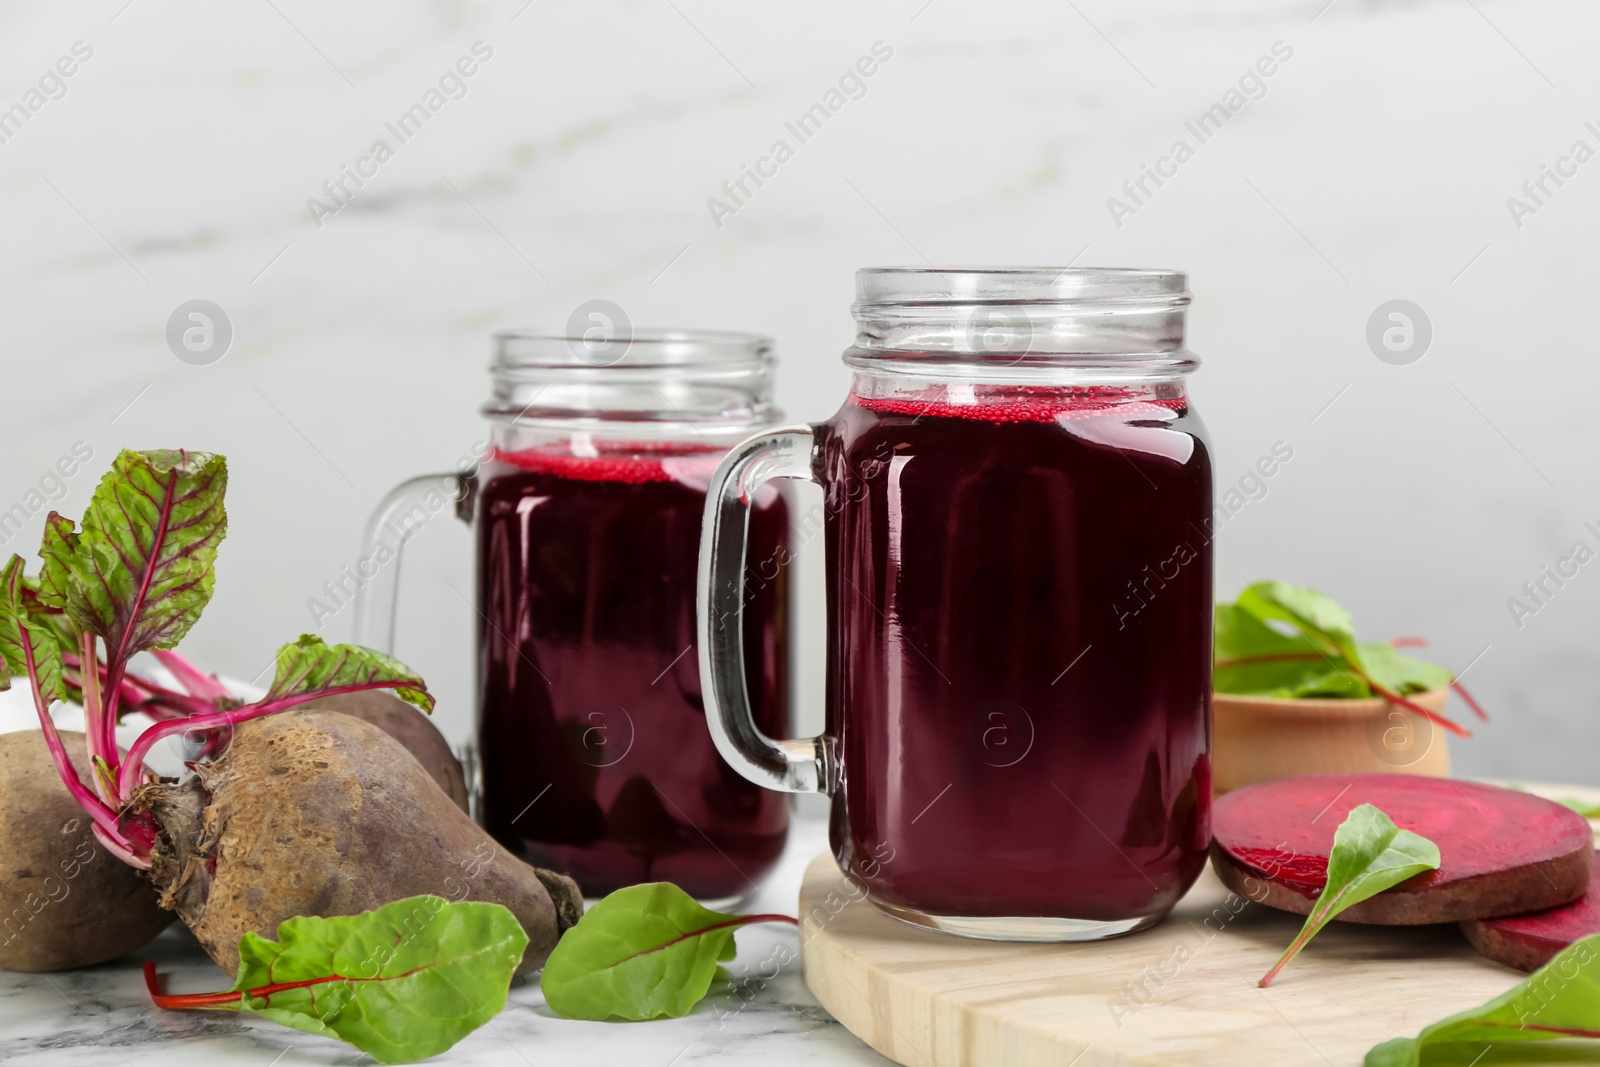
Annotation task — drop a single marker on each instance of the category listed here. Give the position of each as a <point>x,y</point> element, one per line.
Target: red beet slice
<point>1503,852</point>
<point>1527,942</point>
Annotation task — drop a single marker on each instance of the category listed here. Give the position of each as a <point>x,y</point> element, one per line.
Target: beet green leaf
<point>1560,999</point>
<point>1282,640</point>
<point>401,983</point>
<point>309,667</point>
<point>645,952</point>
<point>20,637</point>
<point>1370,854</point>
<point>1254,659</point>
<point>140,571</point>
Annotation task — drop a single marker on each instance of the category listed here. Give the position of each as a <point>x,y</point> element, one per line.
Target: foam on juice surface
<point>626,462</point>
<point>1035,404</point>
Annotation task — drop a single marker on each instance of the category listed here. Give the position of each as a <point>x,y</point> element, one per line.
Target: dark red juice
<point>1021,646</point>
<point>595,755</point>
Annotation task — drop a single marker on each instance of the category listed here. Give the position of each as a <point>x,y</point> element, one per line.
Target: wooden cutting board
<point>1180,995</point>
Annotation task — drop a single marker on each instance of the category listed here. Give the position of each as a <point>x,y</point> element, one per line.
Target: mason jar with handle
<point>1017,516</point>
<point>591,746</point>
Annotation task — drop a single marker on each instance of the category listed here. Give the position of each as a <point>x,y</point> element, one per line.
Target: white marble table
<point>102,1016</point>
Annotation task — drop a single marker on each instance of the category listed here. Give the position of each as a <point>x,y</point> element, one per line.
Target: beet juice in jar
<point>592,739</point>
<point>592,752</point>
<point>1040,585</point>
<point>1017,517</point>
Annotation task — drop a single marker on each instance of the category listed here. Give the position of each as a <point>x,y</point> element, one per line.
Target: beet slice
<point>1527,942</point>
<point>1503,852</point>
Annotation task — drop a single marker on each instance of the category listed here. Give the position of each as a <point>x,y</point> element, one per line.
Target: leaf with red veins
<point>401,983</point>
<point>22,642</point>
<point>140,570</point>
<point>309,667</point>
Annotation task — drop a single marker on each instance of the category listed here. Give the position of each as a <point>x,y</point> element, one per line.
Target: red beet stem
<point>183,1000</point>
<point>94,711</point>
<point>178,1001</point>
<point>1412,705</point>
<point>195,681</point>
<point>1271,657</point>
<point>1477,709</point>
<point>98,810</point>
<point>738,920</point>
<point>1567,1030</point>
<point>1300,941</point>
<point>139,694</point>
<point>133,854</point>
<point>1393,698</point>
<point>128,776</point>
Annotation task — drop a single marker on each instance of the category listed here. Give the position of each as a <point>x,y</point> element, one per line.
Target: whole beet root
<point>409,726</point>
<point>64,901</point>
<point>322,813</point>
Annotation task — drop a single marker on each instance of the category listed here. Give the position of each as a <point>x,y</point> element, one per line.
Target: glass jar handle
<point>413,499</point>
<point>792,766</point>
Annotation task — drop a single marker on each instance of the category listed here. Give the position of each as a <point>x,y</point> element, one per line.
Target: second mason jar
<point>1017,507</point>
<point>593,755</point>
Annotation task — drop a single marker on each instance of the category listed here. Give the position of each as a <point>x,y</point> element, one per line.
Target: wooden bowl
<point>1260,738</point>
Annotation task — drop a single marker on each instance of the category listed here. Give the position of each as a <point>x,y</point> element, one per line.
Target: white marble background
<point>1377,165</point>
